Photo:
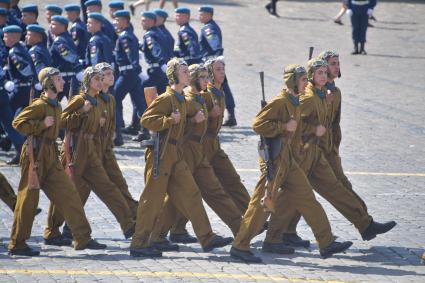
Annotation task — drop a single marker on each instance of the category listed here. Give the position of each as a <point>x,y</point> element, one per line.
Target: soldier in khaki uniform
<point>167,115</point>
<point>211,190</point>
<point>279,120</point>
<point>319,116</point>
<point>82,118</point>
<point>41,120</point>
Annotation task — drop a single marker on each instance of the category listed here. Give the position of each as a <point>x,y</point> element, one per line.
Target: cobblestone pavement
<point>383,151</point>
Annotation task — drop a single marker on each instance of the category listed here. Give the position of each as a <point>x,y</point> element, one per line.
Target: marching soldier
<point>193,153</point>
<point>35,38</point>
<point>99,48</point>
<point>211,47</point>
<point>51,11</point>
<point>81,119</point>
<point>108,28</point>
<point>127,59</point>
<point>171,176</point>
<point>187,45</point>
<point>41,120</point>
<point>359,12</point>
<point>319,117</point>
<point>64,56</point>
<point>78,30</point>
<point>11,18</point>
<point>161,18</point>
<point>278,120</point>
<point>29,17</point>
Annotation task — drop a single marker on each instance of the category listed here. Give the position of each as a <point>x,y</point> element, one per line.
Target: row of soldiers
<point>185,164</point>
<point>71,45</point>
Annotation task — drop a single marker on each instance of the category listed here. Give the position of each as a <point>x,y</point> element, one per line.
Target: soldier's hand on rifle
<point>102,121</point>
<point>291,126</point>
<point>176,116</point>
<point>87,106</point>
<point>215,111</point>
<point>199,117</point>
<point>320,130</point>
<point>49,121</point>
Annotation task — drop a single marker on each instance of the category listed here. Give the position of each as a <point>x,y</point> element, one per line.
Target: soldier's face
<point>333,67</point>
<point>96,83</point>
<point>57,28</point>
<point>181,19</point>
<point>49,14</point>
<point>32,38</point>
<point>58,82</point>
<point>203,80</point>
<point>160,21</point>
<point>72,15</point>
<point>219,72</point>
<point>320,77</point>
<point>147,23</point>
<point>183,75</point>
<point>108,78</point>
<point>120,23</point>
<point>94,8</point>
<point>11,38</point>
<point>3,20</point>
<point>29,18</point>
<point>204,17</point>
<point>93,25</point>
<point>302,84</point>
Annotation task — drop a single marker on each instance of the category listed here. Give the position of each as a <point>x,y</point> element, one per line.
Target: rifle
<point>33,181</point>
<point>310,53</point>
<point>264,151</point>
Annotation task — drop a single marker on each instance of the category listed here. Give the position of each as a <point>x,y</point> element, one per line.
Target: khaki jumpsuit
<point>7,194</point>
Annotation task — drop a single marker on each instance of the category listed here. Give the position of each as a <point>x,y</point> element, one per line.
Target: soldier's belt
<point>195,138</point>
<point>154,65</point>
<point>23,84</point>
<point>360,2</point>
<point>67,74</point>
<point>124,68</point>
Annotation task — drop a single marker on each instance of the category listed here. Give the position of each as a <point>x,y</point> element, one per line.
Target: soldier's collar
<point>216,91</point>
<point>330,86</point>
<point>319,93</point>
<point>104,96</point>
<point>92,100</point>
<point>52,102</point>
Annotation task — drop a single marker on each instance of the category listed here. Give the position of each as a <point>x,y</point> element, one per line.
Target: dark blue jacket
<point>64,54</point>
<point>40,56</point>
<point>211,40</point>
<point>127,50</point>
<point>99,49</point>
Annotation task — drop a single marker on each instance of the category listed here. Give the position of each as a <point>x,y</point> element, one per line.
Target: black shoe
<point>24,252</point>
<point>277,248</point>
<point>141,137</point>
<point>246,256</point>
<point>269,8</point>
<point>293,240</point>
<point>370,25</point>
<point>183,238</point>
<point>363,52</point>
<point>130,232</point>
<point>66,232</point>
<point>58,241</point>
<point>132,9</point>
<point>118,141</point>
<point>131,130</point>
<point>376,228</point>
<point>218,242</point>
<point>230,122</point>
<point>14,160</point>
<point>335,247</point>
<point>145,252</point>
<point>373,18</point>
<point>93,245</point>
<point>5,144</point>
<point>264,228</point>
<point>338,22</point>
<point>165,246</point>
<point>37,211</point>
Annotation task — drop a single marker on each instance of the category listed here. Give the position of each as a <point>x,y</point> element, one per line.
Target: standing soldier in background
<point>211,42</point>
<point>64,56</point>
<point>107,28</point>
<point>29,17</point>
<point>51,11</point>
<point>161,18</point>
<point>38,51</point>
<point>99,48</point>
<point>360,11</point>
<point>78,30</point>
<point>187,45</point>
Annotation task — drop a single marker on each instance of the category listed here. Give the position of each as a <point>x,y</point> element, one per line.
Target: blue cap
<point>93,3</point>
<point>122,13</point>
<point>182,10</point>
<point>60,19</point>
<point>31,8</point>
<point>5,1</point>
<point>97,16</point>
<point>161,13</point>
<point>36,28</point>
<point>3,12</point>
<point>12,28</point>
<point>54,8</point>
<point>150,15</point>
<point>116,5</point>
<point>206,9</point>
<point>72,7</point>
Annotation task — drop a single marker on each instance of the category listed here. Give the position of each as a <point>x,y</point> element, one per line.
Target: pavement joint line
<point>365,173</point>
<point>162,274</point>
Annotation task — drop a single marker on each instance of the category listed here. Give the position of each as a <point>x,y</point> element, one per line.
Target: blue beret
<point>54,8</point>
<point>122,13</point>
<point>116,5</point>
<point>12,28</point>
<point>36,28</point>
<point>206,9</point>
<point>149,15</point>
<point>97,16</point>
<point>72,7</point>
<point>60,19</point>
<point>161,13</point>
<point>182,10</point>
<point>5,1</point>
<point>93,3</point>
<point>31,8</point>
<point>3,12</point>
